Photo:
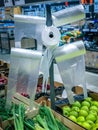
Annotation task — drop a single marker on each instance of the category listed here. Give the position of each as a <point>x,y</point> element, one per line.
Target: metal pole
<point>48,15</point>
<point>51,70</point>
<point>52,89</point>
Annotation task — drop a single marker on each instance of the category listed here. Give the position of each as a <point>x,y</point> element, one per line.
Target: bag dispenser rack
<point>69,58</point>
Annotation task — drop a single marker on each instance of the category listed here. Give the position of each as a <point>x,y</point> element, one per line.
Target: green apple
<point>80,123</point>
<point>85,103</point>
<point>95,103</point>
<point>91,117</point>
<point>86,125</point>
<point>89,99</point>
<point>94,128</point>
<point>85,108</point>
<point>73,118</point>
<point>65,113</point>
<point>83,113</point>
<point>74,113</point>
<point>75,108</point>
<point>96,124</point>
<point>93,112</point>
<point>80,119</point>
<point>90,122</point>
<point>97,120</point>
<point>66,108</point>
<point>77,103</point>
<point>94,108</point>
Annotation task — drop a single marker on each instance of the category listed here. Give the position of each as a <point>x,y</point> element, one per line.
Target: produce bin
<point>20,99</point>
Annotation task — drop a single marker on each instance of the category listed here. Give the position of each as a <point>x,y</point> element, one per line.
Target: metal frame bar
<point>51,70</point>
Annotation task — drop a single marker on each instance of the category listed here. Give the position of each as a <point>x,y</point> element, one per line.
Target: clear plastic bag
<point>23,74</point>
<point>71,65</point>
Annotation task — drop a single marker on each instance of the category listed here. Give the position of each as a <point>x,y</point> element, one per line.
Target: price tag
<point>96,8</point>
<point>93,30</point>
<point>8,3</point>
<point>85,30</point>
<point>86,8</point>
<point>19,2</point>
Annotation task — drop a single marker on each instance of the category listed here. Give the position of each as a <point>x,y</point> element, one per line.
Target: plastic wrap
<point>69,15</point>
<point>71,65</point>
<point>29,19</point>
<point>45,65</point>
<point>50,36</point>
<point>29,27</point>
<point>24,72</point>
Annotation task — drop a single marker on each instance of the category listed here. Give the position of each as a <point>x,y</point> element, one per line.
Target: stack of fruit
<point>3,81</point>
<point>71,36</point>
<point>84,113</point>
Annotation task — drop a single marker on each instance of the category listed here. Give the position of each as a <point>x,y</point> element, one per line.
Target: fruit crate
<point>3,85</point>
<point>84,112</point>
<point>4,68</point>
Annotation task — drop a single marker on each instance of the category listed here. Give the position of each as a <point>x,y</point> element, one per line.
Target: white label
<point>93,30</point>
<point>86,30</point>
<point>19,2</point>
<point>8,3</point>
<point>96,7</point>
<point>86,8</point>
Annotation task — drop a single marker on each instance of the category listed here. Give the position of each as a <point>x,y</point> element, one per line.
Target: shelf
<point>10,3</point>
<point>24,2</point>
<point>90,30</point>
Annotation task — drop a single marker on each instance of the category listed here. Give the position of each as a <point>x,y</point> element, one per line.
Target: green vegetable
<point>26,128</point>
<point>9,127</point>
<point>5,113</point>
<point>46,112</point>
<point>42,122</point>
<point>61,125</point>
<point>18,113</point>
<point>38,127</point>
<point>30,121</point>
<point>29,126</point>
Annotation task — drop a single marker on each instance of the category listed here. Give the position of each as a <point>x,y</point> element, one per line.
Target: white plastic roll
<point>50,36</point>
<point>68,15</point>
<point>29,19</point>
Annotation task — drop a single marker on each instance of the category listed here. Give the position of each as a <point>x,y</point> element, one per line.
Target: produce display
<point>5,113</point>
<point>44,120</point>
<point>84,113</point>
<point>39,88</point>
<point>3,80</point>
<point>70,36</point>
